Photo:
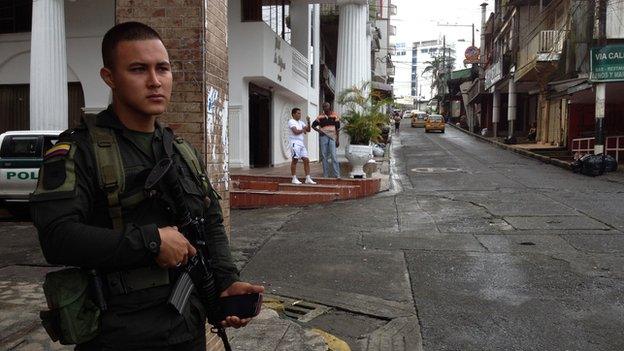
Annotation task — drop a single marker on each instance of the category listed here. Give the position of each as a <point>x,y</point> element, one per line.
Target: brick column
<point>194,32</point>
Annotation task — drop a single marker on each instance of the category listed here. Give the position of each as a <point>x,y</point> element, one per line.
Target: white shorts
<point>299,151</point>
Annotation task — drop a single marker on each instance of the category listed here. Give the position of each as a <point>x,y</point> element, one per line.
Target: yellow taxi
<point>418,119</point>
<point>434,122</point>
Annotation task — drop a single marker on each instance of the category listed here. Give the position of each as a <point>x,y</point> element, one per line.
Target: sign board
<point>472,55</point>
<point>607,64</point>
<point>493,74</point>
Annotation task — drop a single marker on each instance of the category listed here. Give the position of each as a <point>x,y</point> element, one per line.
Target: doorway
<point>260,136</point>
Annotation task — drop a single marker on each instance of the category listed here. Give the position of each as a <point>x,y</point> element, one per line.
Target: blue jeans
<point>328,151</point>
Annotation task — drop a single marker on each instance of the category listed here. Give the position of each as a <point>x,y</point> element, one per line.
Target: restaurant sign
<point>607,63</point>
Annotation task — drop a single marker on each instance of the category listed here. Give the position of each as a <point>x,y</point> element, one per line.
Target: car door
<point>20,159</point>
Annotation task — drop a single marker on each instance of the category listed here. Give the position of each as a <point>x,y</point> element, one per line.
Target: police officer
<point>75,217</point>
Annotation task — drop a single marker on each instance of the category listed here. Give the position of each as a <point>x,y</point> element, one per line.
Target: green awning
<point>461,74</point>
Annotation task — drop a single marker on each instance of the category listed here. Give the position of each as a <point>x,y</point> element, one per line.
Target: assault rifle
<point>197,273</point>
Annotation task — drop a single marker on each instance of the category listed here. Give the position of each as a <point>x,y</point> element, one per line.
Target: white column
<point>48,66</point>
<point>369,50</point>
<point>495,111</point>
<point>352,56</point>
<point>351,69</point>
<point>511,105</point>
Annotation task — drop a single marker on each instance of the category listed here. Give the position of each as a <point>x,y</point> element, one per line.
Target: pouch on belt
<point>73,318</point>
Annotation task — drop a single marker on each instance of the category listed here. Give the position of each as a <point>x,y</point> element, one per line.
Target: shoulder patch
<point>60,149</point>
<point>57,176</point>
<point>54,174</point>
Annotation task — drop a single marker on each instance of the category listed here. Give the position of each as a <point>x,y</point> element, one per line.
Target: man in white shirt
<point>296,129</point>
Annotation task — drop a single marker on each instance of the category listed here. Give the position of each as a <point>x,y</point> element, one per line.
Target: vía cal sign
<point>607,63</point>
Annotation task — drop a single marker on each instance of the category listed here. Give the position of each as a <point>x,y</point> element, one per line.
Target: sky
<point>418,20</point>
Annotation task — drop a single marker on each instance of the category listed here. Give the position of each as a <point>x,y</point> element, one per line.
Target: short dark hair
<point>294,110</point>
<point>127,31</point>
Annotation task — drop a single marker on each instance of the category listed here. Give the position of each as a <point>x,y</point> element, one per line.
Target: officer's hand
<point>239,288</point>
<point>174,248</point>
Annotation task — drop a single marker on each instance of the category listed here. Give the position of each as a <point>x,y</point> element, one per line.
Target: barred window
<point>15,16</point>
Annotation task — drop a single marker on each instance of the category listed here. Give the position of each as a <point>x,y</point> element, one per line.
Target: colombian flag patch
<point>60,149</point>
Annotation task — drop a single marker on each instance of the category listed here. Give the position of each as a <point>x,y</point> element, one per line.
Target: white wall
<point>615,19</point>
<point>85,25</point>
<point>253,51</point>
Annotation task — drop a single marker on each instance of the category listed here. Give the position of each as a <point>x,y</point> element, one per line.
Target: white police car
<point>21,155</point>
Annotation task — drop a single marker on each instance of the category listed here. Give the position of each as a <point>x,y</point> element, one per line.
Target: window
<point>275,13</point>
<point>21,147</point>
<point>15,16</point>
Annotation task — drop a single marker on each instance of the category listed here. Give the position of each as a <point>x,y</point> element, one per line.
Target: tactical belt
<point>125,282</point>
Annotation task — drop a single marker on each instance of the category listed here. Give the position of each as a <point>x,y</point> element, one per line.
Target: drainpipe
<point>511,107</point>
<point>495,111</point>
<point>482,48</point>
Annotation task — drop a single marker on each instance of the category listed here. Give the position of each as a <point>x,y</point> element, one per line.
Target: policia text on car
<point>114,199</point>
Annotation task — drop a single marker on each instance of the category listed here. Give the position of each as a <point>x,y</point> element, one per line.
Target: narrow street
<point>489,249</point>
<point>479,249</point>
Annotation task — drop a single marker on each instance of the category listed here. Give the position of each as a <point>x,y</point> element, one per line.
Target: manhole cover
<point>436,170</point>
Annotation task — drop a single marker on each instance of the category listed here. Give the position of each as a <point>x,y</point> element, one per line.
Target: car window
<point>435,118</point>
<point>26,146</point>
<point>48,142</point>
<point>421,116</point>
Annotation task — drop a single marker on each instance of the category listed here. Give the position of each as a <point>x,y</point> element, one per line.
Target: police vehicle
<point>21,155</point>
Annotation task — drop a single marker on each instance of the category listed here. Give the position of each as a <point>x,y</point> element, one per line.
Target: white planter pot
<point>358,155</point>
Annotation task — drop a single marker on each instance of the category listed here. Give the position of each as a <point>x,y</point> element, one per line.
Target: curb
<point>527,153</point>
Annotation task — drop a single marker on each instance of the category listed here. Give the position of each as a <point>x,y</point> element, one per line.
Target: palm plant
<point>435,67</point>
<point>364,114</point>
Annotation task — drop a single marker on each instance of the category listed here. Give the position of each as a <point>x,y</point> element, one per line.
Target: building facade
<point>274,67</point>
<point>537,71</point>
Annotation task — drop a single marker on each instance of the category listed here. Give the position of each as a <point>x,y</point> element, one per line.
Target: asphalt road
<point>481,249</point>
<point>489,249</point>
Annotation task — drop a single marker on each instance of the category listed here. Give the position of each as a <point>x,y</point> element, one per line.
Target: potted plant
<point>363,118</point>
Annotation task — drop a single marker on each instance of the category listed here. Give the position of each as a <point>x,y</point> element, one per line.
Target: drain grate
<point>302,311</point>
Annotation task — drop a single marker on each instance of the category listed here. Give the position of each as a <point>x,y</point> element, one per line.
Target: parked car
<point>418,119</point>
<point>21,155</point>
<point>434,122</point>
<point>407,114</point>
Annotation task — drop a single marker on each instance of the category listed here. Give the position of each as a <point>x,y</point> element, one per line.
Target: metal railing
<point>546,45</point>
<point>614,146</point>
<point>550,41</point>
<point>300,65</point>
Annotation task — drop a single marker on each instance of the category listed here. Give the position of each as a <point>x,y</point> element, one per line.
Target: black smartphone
<point>242,306</point>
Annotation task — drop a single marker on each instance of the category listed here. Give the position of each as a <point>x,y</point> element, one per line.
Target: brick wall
<point>198,67</point>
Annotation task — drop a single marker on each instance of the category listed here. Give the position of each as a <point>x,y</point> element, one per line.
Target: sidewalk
<point>526,150</point>
<point>20,328</point>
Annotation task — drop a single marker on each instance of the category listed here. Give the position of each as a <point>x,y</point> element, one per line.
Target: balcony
<point>540,54</point>
<point>392,8</point>
<point>391,30</point>
<point>392,49</point>
<point>390,71</point>
<point>264,56</point>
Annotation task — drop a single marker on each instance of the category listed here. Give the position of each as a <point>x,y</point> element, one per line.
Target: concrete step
<point>345,191</point>
<point>366,187</point>
<point>400,334</point>
<point>250,198</point>
<point>255,185</point>
<point>269,332</point>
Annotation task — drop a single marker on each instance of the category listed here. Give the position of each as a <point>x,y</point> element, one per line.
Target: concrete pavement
<point>481,249</point>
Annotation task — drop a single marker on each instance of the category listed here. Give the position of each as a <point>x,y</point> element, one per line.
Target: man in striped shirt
<point>327,125</point>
